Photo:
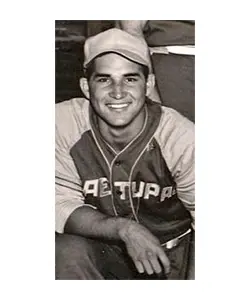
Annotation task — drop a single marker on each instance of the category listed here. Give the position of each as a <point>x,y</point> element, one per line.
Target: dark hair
<point>88,71</point>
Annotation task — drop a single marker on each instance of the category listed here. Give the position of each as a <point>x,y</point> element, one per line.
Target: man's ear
<point>84,86</point>
<point>150,84</point>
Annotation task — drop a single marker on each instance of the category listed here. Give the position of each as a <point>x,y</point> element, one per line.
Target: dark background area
<point>69,40</point>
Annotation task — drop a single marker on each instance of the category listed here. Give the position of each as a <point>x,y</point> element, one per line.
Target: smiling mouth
<point>118,106</point>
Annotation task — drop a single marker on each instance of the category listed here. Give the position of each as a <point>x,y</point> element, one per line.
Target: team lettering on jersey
<point>100,188</point>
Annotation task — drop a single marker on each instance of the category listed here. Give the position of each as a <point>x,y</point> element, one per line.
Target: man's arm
<point>184,175</point>
<point>186,188</point>
<point>134,27</point>
<point>90,222</point>
<point>143,247</point>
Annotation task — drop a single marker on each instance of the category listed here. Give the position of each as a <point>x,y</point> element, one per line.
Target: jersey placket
<point>121,164</point>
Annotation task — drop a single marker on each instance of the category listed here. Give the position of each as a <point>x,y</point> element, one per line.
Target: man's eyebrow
<point>97,75</point>
<point>101,75</point>
<point>132,75</point>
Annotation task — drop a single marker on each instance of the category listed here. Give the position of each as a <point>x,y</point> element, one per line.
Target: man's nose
<point>117,91</point>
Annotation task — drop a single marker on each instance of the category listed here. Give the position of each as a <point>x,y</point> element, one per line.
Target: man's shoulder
<point>71,119</point>
<point>72,105</point>
<point>172,119</point>
<point>73,109</point>
<point>175,136</point>
<point>174,130</point>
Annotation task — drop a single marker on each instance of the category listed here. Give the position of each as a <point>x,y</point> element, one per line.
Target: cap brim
<point>127,54</point>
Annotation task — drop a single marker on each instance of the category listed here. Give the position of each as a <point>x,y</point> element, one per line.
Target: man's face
<point>117,90</point>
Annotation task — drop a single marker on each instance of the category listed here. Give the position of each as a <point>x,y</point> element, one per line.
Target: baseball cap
<point>117,41</point>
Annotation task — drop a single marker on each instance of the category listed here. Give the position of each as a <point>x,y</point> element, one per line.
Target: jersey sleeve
<point>178,145</point>
<point>68,185</point>
<point>68,189</point>
<point>184,175</point>
<point>183,166</point>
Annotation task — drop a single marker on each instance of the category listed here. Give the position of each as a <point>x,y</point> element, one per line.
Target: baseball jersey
<point>151,180</point>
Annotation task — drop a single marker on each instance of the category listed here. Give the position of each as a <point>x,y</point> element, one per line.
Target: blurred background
<point>69,40</point>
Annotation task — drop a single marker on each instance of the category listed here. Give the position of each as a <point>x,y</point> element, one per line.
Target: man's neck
<point>119,137</point>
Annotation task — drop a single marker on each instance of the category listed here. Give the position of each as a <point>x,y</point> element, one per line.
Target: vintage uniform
<point>151,180</point>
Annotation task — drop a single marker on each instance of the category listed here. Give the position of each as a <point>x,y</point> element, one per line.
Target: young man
<point>124,171</point>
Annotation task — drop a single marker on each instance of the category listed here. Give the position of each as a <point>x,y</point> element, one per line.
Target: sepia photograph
<point>125,150</point>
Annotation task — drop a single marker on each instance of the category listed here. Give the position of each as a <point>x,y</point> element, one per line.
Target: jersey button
<point>117,163</point>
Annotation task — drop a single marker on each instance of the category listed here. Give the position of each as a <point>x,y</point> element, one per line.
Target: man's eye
<point>131,79</point>
<point>102,80</point>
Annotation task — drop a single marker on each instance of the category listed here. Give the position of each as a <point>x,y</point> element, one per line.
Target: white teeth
<point>118,105</point>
